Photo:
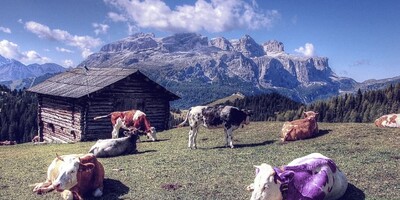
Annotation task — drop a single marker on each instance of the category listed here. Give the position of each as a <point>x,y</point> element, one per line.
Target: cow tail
<point>102,116</point>
<point>184,121</point>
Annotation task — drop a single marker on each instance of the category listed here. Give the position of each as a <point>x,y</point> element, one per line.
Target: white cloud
<point>84,43</point>
<point>5,30</point>
<point>100,28</point>
<point>308,50</point>
<point>11,50</point>
<point>213,16</point>
<point>115,17</point>
<point>68,63</point>
<point>59,49</point>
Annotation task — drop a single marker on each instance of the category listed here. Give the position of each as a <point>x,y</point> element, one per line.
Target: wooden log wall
<point>60,119</point>
<point>132,89</point>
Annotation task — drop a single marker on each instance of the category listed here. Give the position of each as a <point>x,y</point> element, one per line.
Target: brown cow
<point>75,175</point>
<point>301,128</point>
<point>130,120</point>
<point>391,120</point>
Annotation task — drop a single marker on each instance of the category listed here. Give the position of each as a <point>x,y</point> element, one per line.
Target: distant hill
<point>232,98</point>
<point>16,75</point>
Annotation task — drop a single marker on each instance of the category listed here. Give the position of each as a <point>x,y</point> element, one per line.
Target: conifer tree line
<point>359,107</point>
<point>18,109</point>
<point>18,115</point>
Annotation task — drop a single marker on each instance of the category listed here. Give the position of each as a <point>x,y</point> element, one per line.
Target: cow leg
<point>229,135</point>
<point>67,195</point>
<point>116,128</point>
<point>195,137</point>
<point>44,187</point>
<point>191,132</point>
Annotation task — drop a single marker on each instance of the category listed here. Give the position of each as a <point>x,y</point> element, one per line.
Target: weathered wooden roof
<point>79,82</point>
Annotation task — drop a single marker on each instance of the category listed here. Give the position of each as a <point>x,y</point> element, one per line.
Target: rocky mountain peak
<point>138,41</point>
<point>183,42</point>
<point>222,43</point>
<point>273,46</point>
<point>247,46</point>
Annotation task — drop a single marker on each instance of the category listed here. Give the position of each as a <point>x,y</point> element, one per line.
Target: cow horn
<point>59,157</point>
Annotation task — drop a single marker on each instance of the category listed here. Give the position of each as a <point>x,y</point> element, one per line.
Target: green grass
<point>167,169</point>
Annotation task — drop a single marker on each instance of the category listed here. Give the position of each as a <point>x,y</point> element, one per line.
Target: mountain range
<point>201,70</point>
<point>16,75</point>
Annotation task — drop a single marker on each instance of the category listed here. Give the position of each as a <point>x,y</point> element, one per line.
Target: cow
<point>115,147</point>
<point>128,120</point>
<point>8,142</point>
<point>390,120</point>
<point>229,117</point>
<point>313,177</point>
<point>301,128</point>
<point>74,175</point>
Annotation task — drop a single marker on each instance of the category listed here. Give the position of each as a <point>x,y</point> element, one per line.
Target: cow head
<point>265,186</point>
<point>310,114</point>
<point>248,113</point>
<point>69,169</point>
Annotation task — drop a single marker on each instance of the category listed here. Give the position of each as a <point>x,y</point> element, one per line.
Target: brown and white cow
<point>75,176</point>
<point>115,147</point>
<point>229,117</point>
<point>301,128</point>
<point>128,120</point>
<point>391,120</point>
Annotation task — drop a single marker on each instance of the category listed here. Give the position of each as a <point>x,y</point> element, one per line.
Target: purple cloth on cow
<point>300,183</point>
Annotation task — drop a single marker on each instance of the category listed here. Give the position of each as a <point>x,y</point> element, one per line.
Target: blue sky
<point>361,38</point>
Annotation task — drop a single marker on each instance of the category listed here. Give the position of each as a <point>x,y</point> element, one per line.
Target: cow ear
<point>257,169</point>
<point>86,167</point>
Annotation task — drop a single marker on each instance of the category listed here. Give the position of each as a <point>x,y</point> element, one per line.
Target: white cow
<point>115,147</point>
<point>313,177</point>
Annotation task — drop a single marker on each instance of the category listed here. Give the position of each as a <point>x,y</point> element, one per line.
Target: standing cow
<point>128,120</point>
<point>391,120</point>
<point>115,147</point>
<point>229,117</point>
<point>301,128</point>
<point>75,175</point>
<point>313,177</point>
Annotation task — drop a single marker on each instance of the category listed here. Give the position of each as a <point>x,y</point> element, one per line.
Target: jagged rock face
<point>221,43</point>
<point>189,60</point>
<point>273,46</point>
<point>248,47</point>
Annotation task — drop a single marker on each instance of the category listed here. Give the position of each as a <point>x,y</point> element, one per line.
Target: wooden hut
<point>68,102</point>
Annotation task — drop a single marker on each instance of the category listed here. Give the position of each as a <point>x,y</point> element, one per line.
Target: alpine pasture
<point>168,169</point>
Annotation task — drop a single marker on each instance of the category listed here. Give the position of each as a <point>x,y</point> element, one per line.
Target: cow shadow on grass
<point>353,193</point>
<point>158,140</point>
<point>113,190</point>
<point>238,146</point>
<point>322,132</point>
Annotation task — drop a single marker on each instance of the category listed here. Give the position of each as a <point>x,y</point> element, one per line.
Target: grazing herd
<point>314,177</point>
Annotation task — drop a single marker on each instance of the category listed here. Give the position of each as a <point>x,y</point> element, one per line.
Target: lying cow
<point>75,175</point>
<point>128,120</point>
<point>313,177</point>
<point>229,117</point>
<point>301,128</point>
<point>8,142</point>
<point>115,147</point>
<point>391,120</point>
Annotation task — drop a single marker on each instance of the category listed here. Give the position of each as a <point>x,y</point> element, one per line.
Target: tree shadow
<point>238,146</point>
<point>353,193</point>
<point>113,190</point>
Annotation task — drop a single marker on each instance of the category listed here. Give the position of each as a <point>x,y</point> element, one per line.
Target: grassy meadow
<point>167,169</point>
